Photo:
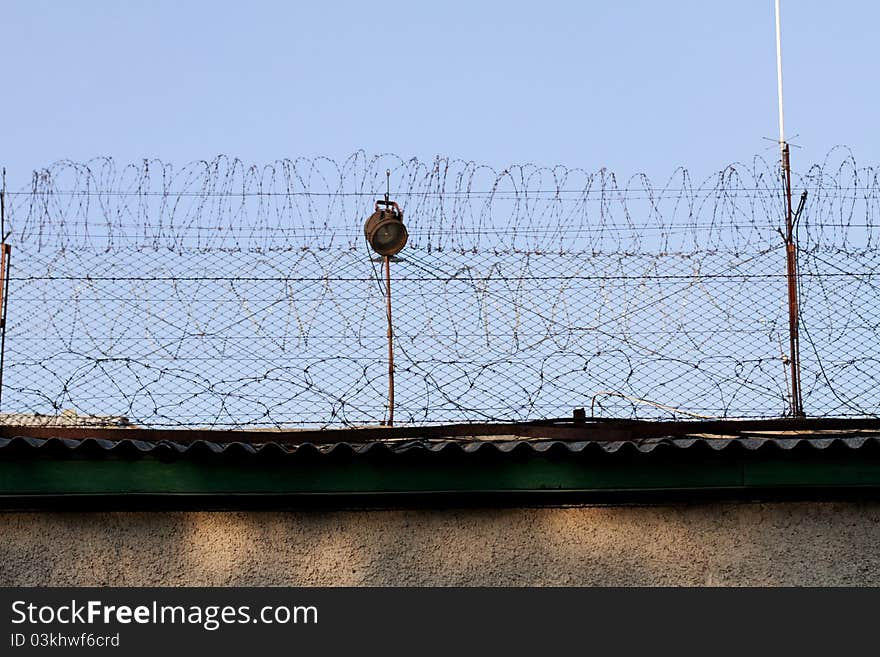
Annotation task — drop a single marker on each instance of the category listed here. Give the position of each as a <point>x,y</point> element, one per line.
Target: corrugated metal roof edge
<point>562,436</point>
<point>565,428</point>
<point>853,441</point>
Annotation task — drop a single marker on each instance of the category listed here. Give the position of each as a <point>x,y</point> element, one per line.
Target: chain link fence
<point>226,296</point>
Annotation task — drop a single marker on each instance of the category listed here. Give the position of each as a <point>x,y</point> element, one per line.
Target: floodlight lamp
<point>384,230</point>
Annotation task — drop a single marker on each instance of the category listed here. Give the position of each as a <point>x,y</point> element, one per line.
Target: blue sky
<point>633,86</point>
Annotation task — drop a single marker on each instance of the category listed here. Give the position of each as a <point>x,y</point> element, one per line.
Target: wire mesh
<point>229,296</point>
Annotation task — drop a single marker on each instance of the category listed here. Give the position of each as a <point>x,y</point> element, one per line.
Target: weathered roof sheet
<point>561,460</point>
<point>538,438</point>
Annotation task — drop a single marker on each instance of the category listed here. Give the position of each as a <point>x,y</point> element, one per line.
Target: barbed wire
<point>228,295</point>
<point>319,203</point>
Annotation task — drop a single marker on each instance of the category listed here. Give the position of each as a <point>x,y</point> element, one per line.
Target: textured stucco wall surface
<point>715,544</point>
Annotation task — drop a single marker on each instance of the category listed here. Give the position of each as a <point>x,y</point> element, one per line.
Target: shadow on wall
<point>712,544</point>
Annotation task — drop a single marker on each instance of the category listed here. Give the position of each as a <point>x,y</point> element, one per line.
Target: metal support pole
<point>797,407</point>
<point>3,206</point>
<point>5,252</point>
<point>779,75</point>
<point>390,343</point>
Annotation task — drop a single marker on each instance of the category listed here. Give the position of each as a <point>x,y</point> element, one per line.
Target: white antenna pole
<point>779,76</point>
<point>797,406</point>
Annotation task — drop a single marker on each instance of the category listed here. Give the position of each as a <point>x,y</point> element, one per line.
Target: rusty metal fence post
<point>797,407</point>
<point>5,253</point>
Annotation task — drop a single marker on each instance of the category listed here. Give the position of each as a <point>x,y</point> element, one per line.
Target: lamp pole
<point>390,342</point>
<point>388,310</point>
<point>386,234</point>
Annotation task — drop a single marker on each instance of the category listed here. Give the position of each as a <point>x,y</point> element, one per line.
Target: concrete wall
<point>786,543</point>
